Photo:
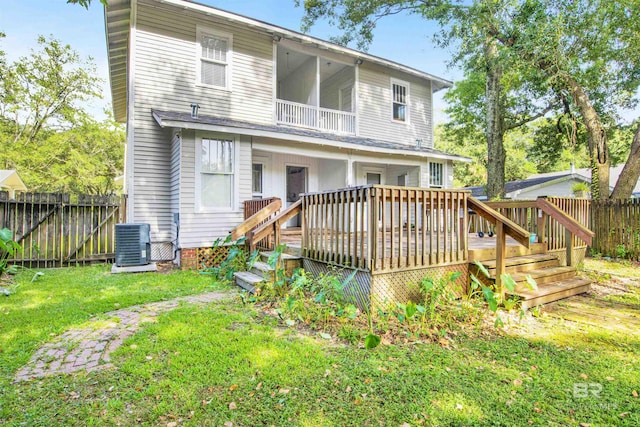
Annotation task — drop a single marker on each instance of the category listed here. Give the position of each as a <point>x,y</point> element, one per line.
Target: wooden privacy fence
<point>385,228</point>
<point>617,227</point>
<point>61,229</point>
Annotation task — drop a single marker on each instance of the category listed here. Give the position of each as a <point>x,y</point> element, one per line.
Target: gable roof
<point>10,179</point>
<point>173,119</point>
<point>529,183</point>
<point>614,175</point>
<point>118,24</point>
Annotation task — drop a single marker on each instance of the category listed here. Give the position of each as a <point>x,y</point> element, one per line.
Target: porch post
<point>318,92</point>
<point>350,182</point>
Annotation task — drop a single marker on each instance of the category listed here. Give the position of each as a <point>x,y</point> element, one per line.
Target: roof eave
<point>227,128</point>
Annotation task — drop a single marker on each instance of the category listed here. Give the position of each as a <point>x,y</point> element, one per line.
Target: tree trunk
<point>631,171</point>
<point>598,148</point>
<point>495,131</point>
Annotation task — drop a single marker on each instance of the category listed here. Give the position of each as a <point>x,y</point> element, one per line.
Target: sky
<point>403,38</point>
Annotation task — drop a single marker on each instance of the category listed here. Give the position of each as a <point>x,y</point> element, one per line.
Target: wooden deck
<point>397,235</point>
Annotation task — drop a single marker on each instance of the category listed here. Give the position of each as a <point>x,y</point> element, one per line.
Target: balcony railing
<point>312,117</point>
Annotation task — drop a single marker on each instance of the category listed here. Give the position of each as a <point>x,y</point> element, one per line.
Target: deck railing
<point>251,207</point>
<point>560,222</point>
<point>385,228</point>
<point>529,215</point>
<point>260,212</point>
<point>313,117</point>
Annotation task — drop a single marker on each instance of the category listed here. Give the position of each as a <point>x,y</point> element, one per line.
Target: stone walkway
<point>89,349</point>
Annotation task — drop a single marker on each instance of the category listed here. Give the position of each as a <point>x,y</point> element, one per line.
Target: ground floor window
<point>217,167</point>
<point>436,175</point>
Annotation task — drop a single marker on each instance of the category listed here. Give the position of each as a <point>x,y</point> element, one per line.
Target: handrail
<point>254,205</point>
<point>273,225</point>
<point>521,235</point>
<point>254,220</point>
<point>565,220</point>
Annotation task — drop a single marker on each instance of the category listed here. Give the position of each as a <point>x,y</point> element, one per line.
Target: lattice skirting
<point>384,288</point>
<point>358,288</point>
<point>578,255</point>
<point>402,286</point>
<point>211,257</point>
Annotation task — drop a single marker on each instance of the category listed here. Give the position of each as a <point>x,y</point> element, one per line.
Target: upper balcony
<point>315,92</point>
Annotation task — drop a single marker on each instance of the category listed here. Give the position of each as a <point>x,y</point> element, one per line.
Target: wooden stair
<point>261,272</point>
<point>554,281</point>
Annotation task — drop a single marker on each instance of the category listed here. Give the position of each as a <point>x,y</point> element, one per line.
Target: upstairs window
<point>400,98</point>
<point>217,166</point>
<point>436,175</point>
<point>214,59</point>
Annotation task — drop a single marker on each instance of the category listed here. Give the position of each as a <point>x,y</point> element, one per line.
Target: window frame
<point>442,171</point>
<point>407,103</point>
<point>235,179</point>
<point>257,194</point>
<point>199,58</point>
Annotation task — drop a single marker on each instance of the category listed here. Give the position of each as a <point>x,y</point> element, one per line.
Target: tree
<point>478,52</point>
<point>46,88</point>
<point>588,51</point>
<point>46,134</point>
<point>87,3</point>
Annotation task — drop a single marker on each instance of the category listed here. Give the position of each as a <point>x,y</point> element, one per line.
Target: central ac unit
<point>133,245</point>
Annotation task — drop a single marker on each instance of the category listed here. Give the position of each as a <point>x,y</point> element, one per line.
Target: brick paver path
<point>90,348</point>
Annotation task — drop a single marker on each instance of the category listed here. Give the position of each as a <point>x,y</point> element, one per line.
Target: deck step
<point>543,276</point>
<point>510,252</point>
<point>285,256</point>
<point>262,269</point>
<point>247,280</point>
<point>553,292</point>
<point>294,249</point>
<point>524,263</point>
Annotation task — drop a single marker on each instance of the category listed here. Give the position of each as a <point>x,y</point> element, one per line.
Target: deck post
<point>568,241</point>
<point>501,246</point>
<point>542,226</point>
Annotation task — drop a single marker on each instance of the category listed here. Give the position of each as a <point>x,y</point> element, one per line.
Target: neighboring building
<point>10,181</point>
<point>552,184</point>
<point>221,108</point>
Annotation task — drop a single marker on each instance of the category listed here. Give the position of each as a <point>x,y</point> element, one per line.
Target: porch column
<point>350,181</point>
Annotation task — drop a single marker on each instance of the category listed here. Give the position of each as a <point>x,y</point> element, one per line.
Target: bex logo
<point>584,390</point>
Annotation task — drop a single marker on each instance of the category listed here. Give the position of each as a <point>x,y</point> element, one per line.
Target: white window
<point>256,180</point>
<point>400,100</point>
<point>214,58</point>
<point>436,175</point>
<point>217,173</point>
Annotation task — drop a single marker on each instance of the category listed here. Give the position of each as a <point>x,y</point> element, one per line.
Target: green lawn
<point>208,365</point>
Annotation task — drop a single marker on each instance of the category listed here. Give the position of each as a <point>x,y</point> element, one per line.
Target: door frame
<point>363,170</point>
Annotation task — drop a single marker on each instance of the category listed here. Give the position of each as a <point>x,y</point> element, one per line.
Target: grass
<point>209,365</point>
<point>65,297</point>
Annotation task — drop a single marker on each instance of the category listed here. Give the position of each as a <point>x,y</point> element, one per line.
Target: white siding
<point>330,87</point>
<point>164,79</point>
<point>374,108</point>
<point>412,172</point>
<point>200,229</point>
<point>332,174</point>
<point>560,189</point>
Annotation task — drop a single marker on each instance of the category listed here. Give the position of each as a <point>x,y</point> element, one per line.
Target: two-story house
<point>221,108</point>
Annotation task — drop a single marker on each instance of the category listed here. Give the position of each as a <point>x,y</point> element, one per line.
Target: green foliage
<point>47,136</point>
<point>236,259</point>
<point>8,248</point>
<point>87,3</point>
